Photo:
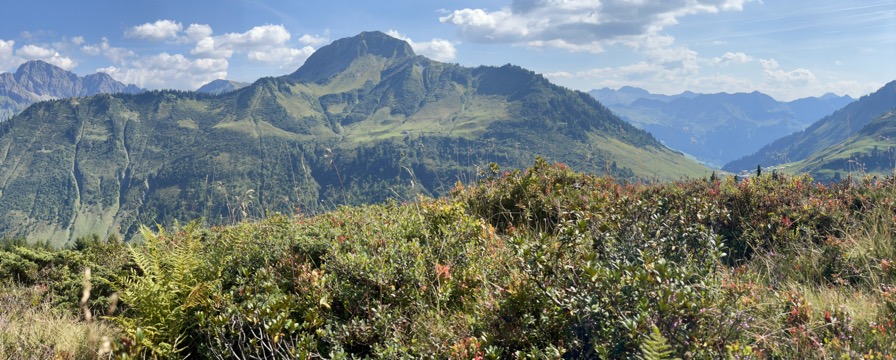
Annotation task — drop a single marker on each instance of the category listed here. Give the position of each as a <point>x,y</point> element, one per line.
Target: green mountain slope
<point>872,150</point>
<point>822,134</point>
<point>362,121</point>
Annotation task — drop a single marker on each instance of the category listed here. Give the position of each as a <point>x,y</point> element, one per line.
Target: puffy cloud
<point>731,58</point>
<point>34,52</point>
<point>798,77</point>
<point>207,48</point>
<point>196,32</point>
<point>157,31</point>
<point>259,38</point>
<point>577,25</point>
<point>7,57</point>
<point>285,58</point>
<point>77,40</point>
<point>437,49</point>
<point>314,39</point>
<point>169,71</point>
<point>117,54</point>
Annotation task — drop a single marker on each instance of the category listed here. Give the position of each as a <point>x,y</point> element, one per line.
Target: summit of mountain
<point>37,80</point>
<point>379,49</point>
<point>221,86</point>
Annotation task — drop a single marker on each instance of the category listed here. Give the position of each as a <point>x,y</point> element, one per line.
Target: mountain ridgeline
<point>872,150</point>
<point>823,134</point>
<point>37,80</point>
<point>717,128</point>
<point>221,86</point>
<point>364,120</point>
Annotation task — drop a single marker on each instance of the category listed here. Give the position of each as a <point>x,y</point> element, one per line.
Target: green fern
<point>174,278</point>
<point>656,347</point>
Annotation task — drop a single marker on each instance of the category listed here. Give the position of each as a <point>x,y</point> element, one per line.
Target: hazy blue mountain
<point>823,133</point>
<point>717,128</point>
<point>37,80</point>
<point>220,86</point>
<point>628,94</point>
<point>363,120</point>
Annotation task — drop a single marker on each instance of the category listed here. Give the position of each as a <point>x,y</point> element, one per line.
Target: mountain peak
<point>40,67</point>
<point>37,80</point>
<point>336,57</point>
<point>37,64</point>
<point>220,86</point>
<point>633,90</point>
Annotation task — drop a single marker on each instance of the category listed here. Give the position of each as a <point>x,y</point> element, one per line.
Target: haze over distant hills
<point>220,86</point>
<point>822,134</point>
<point>716,128</point>
<point>37,80</point>
<point>364,119</point>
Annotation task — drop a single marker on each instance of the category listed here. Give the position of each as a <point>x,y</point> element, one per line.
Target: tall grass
<point>32,327</point>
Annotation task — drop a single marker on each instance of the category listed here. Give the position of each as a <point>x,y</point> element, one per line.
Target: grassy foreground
<point>542,263</point>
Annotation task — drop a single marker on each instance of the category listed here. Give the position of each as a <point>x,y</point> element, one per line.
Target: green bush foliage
<point>539,263</point>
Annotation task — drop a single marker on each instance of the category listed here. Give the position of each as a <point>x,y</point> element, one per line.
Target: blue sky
<point>788,49</point>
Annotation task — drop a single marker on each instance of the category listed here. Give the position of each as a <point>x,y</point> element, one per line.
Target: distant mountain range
<point>363,120</point>
<point>37,81</point>
<point>716,128</point>
<point>221,86</point>
<point>828,133</point>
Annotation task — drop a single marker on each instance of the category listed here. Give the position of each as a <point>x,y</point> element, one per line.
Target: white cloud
<point>798,77</point>
<point>169,71</point>
<point>558,75</point>
<point>34,52</point>
<point>7,58</point>
<point>118,55</point>
<point>206,48</point>
<point>157,31</point>
<point>437,49</point>
<point>259,38</point>
<point>285,58</point>
<point>314,39</point>
<point>731,58</point>
<point>78,40</point>
<point>577,25</point>
<point>196,32</point>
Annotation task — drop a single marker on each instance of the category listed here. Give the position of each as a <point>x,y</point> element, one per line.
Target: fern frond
<point>147,264</point>
<point>656,347</point>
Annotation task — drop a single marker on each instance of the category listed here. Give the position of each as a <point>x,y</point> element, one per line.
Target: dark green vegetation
<point>363,120</point>
<point>717,128</point>
<point>220,86</point>
<point>542,263</point>
<point>823,134</point>
<point>37,81</point>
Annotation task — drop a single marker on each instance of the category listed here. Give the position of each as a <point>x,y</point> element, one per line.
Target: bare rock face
<point>37,80</point>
